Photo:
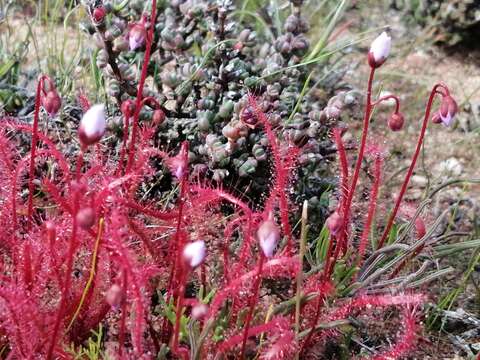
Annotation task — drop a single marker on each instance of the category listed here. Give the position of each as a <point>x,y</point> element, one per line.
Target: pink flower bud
<point>93,125</point>
<point>99,14</point>
<point>128,107</point>
<point>199,311</point>
<point>379,50</point>
<point>194,253</point>
<point>158,117</point>
<point>136,36</point>
<point>86,218</point>
<point>448,109</point>
<point>114,296</point>
<point>51,102</point>
<point>396,121</point>
<point>334,223</point>
<point>268,235</point>
<point>178,164</point>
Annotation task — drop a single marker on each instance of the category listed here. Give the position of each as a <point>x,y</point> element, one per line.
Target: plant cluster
<point>452,22</point>
<point>206,57</point>
<point>210,274</point>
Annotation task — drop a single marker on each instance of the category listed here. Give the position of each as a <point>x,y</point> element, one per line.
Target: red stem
<point>178,312</point>
<point>68,275</point>
<point>358,165</point>
<point>121,334</point>
<point>253,302</point>
<point>388,97</point>
<point>143,76</point>
<point>371,209</point>
<point>412,164</point>
<point>33,150</point>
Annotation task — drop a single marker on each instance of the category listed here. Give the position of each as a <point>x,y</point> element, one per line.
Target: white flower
<point>93,125</point>
<point>194,253</point>
<point>380,49</point>
<point>268,236</point>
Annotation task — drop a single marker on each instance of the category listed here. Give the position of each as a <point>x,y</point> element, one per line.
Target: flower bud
<point>128,107</point>
<point>379,50</point>
<point>334,223</point>
<point>448,109</point>
<point>93,125</point>
<point>199,311</point>
<point>98,14</point>
<point>158,117</point>
<point>86,218</point>
<point>136,36</point>
<point>268,235</point>
<point>248,117</point>
<point>396,121</point>
<point>114,296</point>
<point>51,102</point>
<point>194,253</point>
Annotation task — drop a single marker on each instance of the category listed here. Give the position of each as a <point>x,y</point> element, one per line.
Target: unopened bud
<point>98,14</point>
<point>194,253</point>
<point>136,36</point>
<point>268,235</point>
<point>86,218</point>
<point>396,121</point>
<point>158,117</point>
<point>379,50</point>
<point>334,223</point>
<point>199,311</point>
<point>128,107</point>
<point>114,296</point>
<point>93,125</point>
<point>51,102</point>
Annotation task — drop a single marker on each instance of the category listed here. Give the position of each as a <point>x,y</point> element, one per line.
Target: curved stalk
<point>406,181</point>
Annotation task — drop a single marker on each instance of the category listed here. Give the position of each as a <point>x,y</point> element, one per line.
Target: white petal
<point>381,47</point>
<point>194,253</point>
<point>93,121</point>
<point>446,120</point>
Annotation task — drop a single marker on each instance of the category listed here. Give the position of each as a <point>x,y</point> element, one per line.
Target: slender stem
<point>406,181</point>
<point>143,76</point>
<point>124,144</point>
<point>253,301</point>
<point>121,334</point>
<point>303,240</point>
<point>178,312</point>
<point>388,97</point>
<point>68,276</point>
<point>371,210</point>
<point>33,151</point>
<point>361,151</point>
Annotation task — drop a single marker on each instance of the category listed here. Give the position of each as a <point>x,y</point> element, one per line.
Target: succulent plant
<point>204,64</point>
<point>455,22</point>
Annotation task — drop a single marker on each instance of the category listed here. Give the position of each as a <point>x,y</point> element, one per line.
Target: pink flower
<point>136,36</point>
<point>194,253</point>
<point>93,125</point>
<point>334,223</point>
<point>379,50</point>
<point>448,109</point>
<point>268,236</point>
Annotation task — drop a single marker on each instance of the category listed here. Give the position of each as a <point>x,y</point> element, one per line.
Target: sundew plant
<point>206,274</point>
